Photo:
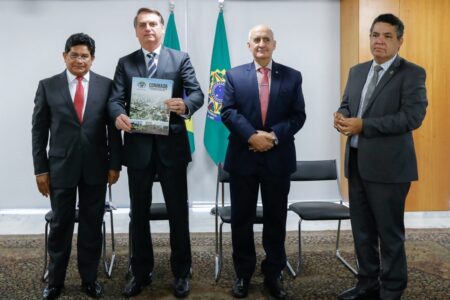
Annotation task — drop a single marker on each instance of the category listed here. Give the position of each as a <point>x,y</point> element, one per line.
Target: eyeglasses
<point>83,57</point>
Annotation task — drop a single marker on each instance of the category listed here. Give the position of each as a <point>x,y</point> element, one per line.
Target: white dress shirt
<point>72,81</point>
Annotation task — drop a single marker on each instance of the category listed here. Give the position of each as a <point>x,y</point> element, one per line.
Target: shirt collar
<point>269,65</point>
<point>157,51</point>
<point>71,77</point>
<point>386,64</point>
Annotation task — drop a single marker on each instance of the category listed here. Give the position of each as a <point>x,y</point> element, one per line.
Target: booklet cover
<point>148,113</point>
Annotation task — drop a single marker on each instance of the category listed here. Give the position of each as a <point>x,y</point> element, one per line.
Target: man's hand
<point>261,141</point>
<point>348,126</point>
<point>176,105</point>
<point>337,118</point>
<point>113,176</point>
<point>43,184</point>
<point>123,123</point>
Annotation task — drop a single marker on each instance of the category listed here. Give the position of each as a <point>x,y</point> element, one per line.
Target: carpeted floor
<point>21,262</point>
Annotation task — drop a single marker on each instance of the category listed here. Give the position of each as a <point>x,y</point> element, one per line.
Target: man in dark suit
<point>263,108</point>
<point>146,155</point>
<point>83,155</point>
<point>384,101</point>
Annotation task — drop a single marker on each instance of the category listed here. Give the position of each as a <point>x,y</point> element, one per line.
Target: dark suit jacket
<point>76,150</point>
<point>397,107</point>
<point>241,114</point>
<point>174,148</point>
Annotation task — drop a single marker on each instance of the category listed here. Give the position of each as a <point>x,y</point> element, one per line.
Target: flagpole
<point>186,26</point>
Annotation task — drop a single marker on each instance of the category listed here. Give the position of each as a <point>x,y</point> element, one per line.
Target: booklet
<point>148,113</point>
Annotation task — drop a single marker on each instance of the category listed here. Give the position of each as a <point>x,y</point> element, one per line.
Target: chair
<point>224,213</point>
<point>108,263</point>
<point>320,170</point>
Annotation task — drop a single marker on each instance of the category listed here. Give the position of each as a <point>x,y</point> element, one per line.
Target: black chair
<point>108,262</point>
<point>224,213</point>
<point>158,212</point>
<point>320,170</point>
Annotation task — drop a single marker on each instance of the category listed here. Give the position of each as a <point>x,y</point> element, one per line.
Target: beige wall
<point>426,42</point>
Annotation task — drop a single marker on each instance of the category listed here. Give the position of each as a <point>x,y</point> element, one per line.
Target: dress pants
<point>89,244</point>
<point>174,187</point>
<point>377,212</point>
<point>244,197</point>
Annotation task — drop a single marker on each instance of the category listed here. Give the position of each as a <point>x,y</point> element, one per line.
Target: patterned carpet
<point>21,262</point>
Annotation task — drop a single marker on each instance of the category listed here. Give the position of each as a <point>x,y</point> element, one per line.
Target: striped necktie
<point>151,67</point>
<point>362,106</point>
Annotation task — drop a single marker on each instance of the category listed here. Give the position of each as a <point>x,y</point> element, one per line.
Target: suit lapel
<point>139,61</point>
<point>162,63</point>
<point>275,84</point>
<point>387,76</point>
<point>360,79</point>
<point>65,93</point>
<point>253,90</point>
<point>92,96</point>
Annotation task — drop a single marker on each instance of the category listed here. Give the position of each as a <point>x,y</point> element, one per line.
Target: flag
<point>216,134</point>
<point>171,41</point>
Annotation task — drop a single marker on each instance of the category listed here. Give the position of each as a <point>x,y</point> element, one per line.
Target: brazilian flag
<point>216,134</point>
<point>171,41</point>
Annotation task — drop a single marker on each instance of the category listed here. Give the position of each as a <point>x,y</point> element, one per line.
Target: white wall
<point>33,34</point>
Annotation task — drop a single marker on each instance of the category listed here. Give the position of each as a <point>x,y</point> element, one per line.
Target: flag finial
<point>171,5</point>
<point>221,4</point>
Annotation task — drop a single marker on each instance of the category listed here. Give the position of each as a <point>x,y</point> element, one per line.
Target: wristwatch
<point>275,139</point>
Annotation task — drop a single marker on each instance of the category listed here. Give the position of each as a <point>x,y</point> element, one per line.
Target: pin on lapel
<point>391,72</point>
<point>276,71</point>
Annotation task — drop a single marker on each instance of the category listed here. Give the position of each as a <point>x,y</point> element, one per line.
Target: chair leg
<point>219,257</point>
<point>290,269</point>
<point>105,262</point>
<point>299,262</point>
<point>338,254</point>
<point>45,272</point>
<point>108,266</point>
<point>113,245</point>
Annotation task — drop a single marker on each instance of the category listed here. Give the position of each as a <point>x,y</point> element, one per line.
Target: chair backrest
<point>222,178</point>
<point>315,170</point>
<point>318,170</point>
<point>222,175</point>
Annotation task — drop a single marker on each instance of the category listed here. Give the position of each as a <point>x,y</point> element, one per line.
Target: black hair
<point>150,11</point>
<point>390,19</point>
<point>80,39</point>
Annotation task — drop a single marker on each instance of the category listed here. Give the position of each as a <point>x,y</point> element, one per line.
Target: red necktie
<point>78,100</point>
<point>264,92</point>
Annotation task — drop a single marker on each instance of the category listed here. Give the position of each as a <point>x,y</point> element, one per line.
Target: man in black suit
<point>384,101</point>
<point>146,155</point>
<point>84,155</point>
<point>263,108</point>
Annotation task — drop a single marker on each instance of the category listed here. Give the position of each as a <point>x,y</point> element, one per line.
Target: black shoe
<point>360,293</point>
<point>51,292</point>
<point>135,285</point>
<point>275,288</point>
<point>93,289</point>
<point>240,288</point>
<point>181,287</point>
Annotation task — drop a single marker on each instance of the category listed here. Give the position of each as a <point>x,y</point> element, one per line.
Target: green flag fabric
<point>216,134</point>
<point>171,41</point>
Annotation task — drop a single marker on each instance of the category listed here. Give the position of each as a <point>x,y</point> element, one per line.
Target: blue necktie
<point>151,67</point>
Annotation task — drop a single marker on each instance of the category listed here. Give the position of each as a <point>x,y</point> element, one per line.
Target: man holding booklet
<point>148,154</point>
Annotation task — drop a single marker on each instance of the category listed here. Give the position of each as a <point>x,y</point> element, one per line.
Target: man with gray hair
<point>263,108</point>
